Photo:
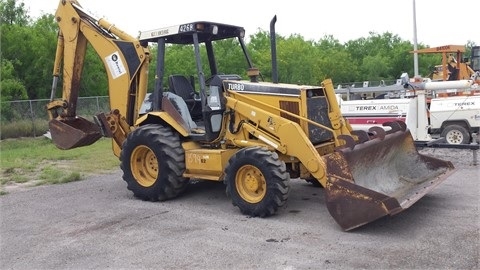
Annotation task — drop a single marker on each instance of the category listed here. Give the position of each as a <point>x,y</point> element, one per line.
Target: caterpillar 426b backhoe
<point>252,135</point>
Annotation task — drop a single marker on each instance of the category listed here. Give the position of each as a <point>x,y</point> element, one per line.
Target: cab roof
<point>183,33</point>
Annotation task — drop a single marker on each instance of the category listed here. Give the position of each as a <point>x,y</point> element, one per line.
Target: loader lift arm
<point>126,63</point>
<point>286,136</point>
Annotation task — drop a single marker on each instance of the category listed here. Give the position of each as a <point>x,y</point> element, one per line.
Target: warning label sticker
<point>115,65</point>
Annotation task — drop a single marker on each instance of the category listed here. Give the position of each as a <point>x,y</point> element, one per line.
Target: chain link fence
<point>29,118</point>
<point>367,84</point>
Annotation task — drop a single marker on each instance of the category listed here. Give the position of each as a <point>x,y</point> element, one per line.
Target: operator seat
<point>181,107</point>
<point>182,87</point>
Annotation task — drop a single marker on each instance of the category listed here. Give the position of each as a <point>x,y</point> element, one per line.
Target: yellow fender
<point>179,126</point>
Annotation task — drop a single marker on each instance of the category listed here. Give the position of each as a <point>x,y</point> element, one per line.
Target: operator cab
<point>200,98</point>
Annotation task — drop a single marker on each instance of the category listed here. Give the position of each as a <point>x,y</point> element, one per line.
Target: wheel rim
<point>250,184</point>
<point>454,137</point>
<point>144,165</point>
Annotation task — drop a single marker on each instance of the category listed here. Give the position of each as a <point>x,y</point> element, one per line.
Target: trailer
<point>453,118</point>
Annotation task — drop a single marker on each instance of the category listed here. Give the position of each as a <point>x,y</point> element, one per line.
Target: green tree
<point>229,57</point>
<point>29,47</point>
<point>38,64</point>
<point>295,60</point>
<point>11,88</point>
<point>13,12</point>
<point>333,61</point>
<point>468,49</point>
<point>94,80</point>
<point>179,59</point>
<point>259,49</point>
<point>13,19</point>
<point>401,59</point>
<point>380,56</point>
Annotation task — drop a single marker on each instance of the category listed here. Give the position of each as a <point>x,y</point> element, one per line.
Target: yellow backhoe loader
<point>252,135</point>
<point>454,66</point>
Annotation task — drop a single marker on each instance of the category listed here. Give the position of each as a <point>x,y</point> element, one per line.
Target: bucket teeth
<point>378,132</point>
<point>362,135</point>
<point>395,126</point>
<point>349,141</point>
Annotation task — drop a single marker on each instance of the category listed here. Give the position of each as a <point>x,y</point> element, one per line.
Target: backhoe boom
<point>125,61</point>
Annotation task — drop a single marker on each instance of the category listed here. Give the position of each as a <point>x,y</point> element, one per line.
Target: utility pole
<point>415,55</point>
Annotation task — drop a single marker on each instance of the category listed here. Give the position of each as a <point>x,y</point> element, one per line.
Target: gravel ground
<point>461,158</point>
<point>98,224</point>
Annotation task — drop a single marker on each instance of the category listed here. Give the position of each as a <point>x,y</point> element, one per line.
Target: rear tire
<point>153,161</point>
<point>456,134</point>
<point>257,181</point>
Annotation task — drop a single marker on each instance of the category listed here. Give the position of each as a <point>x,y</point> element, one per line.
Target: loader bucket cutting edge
<point>379,178</point>
<point>72,133</point>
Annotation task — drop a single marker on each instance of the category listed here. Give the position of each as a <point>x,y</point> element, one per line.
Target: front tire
<point>153,161</point>
<point>456,134</point>
<point>257,181</point>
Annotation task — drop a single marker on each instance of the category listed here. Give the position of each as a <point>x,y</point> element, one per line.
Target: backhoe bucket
<point>72,133</point>
<point>379,177</point>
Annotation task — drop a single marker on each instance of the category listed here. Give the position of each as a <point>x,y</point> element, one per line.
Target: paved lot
<point>97,224</point>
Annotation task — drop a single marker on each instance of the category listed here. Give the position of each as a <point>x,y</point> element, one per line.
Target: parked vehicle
<point>455,118</point>
<point>251,135</point>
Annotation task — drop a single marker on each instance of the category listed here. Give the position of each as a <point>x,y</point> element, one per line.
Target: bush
<point>23,128</point>
<point>29,118</point>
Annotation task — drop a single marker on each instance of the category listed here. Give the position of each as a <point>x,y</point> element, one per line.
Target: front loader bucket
<point>72,133</point>
<point>379,177</point>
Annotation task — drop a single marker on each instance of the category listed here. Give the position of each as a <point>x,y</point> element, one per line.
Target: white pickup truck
<point>454,118</point>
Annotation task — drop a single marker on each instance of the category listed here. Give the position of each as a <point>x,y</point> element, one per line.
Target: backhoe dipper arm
<point>126,64</point>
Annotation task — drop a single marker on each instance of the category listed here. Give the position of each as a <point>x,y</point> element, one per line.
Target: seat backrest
<point>181,86</point>
<point>181,106</point>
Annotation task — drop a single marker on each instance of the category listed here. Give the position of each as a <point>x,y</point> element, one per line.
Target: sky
<point>437,23</point>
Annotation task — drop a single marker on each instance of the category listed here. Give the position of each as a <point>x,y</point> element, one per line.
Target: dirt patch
<point>461,158</point>
<point>12,186</point>
<point>18,179</point>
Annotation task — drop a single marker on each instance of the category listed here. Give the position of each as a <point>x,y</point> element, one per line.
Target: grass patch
<point>20,179</point>
<point>52,175</point>
<point>39,161</point>
<point>23,128</point>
